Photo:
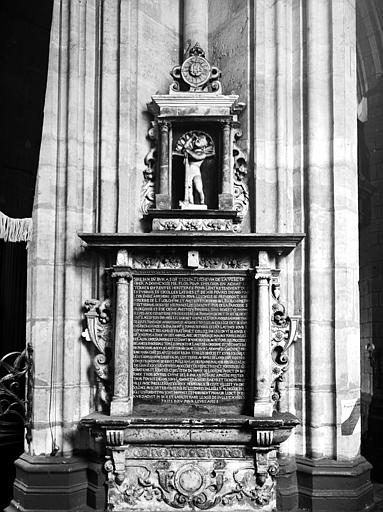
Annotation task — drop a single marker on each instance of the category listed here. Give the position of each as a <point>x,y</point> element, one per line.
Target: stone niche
<point>191,350</point>
<point>195,175</point>
<point>191,344</point>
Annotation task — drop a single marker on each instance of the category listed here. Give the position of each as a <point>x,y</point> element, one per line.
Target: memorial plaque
<point>191,336</point>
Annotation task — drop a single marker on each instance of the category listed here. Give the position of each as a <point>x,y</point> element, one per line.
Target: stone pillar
<point>122,402</point>
<point>60,276</point>
<point>195,24</point>
<point>262,400</point>
<point>226,196</point>
<point>331,461</point>
<point>163,197</point>
<point>89,179</point>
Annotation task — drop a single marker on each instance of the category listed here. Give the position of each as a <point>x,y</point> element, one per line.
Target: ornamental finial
<point>196,74</point>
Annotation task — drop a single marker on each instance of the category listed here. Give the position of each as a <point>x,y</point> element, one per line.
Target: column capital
<point>122,275</point>
<point>262,273</point>
<point>163,125</point>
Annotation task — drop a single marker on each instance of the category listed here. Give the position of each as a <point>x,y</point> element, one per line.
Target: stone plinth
<point>162,463</point>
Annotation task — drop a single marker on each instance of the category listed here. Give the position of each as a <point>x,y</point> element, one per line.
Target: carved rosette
<point>99,331</point>
<point>195,225</point>
<point>190,484</point>
<point>148,185</point>
<point>284,332</point>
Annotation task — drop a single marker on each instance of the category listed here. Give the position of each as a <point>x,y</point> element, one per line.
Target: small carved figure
<point>195,147</point>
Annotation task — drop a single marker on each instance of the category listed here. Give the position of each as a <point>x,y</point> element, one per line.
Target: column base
<point>287,488</point>
<point>334,486</point>
<point>57,484</point>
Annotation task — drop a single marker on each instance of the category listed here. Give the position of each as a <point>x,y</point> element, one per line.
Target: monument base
<point>163,463</point>
<point>334,485</point>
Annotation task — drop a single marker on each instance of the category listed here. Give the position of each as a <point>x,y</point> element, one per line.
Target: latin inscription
<point>190,338</point>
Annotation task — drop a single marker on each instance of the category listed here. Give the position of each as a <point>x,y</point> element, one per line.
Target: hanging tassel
<point>15,230</point>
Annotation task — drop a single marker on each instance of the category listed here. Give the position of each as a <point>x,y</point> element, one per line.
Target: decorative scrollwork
<point>241,191</point>
<point>194,225</point>
<point>223,263</point>
<point>195,74</point>
<point>99,332</point>
<point>199,485</point>
<point>284,332</point>
<point>16,374</point>
<point>147,261</point>
<point>148,185</point>
<point>257,486</point>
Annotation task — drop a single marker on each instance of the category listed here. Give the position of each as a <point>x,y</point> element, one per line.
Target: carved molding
<point>153,262</point>
<point>262,273</point>
<point>124,275</point>
<point>99,332</point>
<point>195,225</point>
<point>284,332</point>
<point>197,452</point>
<point>223,263</point>
<point>168,484</point>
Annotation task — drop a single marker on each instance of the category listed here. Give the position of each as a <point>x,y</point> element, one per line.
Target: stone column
<point>262,400</point>
<point>163,197</point>
<point>226,196</point>
<point>122,402</point>
<point>331,285</point>
<point>195,24</point>
<point>89,179</point>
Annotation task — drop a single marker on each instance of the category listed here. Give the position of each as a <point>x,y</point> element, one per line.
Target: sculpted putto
<point>195,147</point>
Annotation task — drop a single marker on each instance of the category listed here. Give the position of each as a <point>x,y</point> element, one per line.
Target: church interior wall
<point>135,64</point>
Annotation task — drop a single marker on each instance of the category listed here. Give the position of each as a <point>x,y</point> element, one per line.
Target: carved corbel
<point>115,469</point>
<point>99,332</point>
<point>264,437</point>
<point>284,332</point>
<point>115,437</point>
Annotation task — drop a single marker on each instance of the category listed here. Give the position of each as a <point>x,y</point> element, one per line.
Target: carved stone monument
<point>199,165</point>
<point>191,346</point>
